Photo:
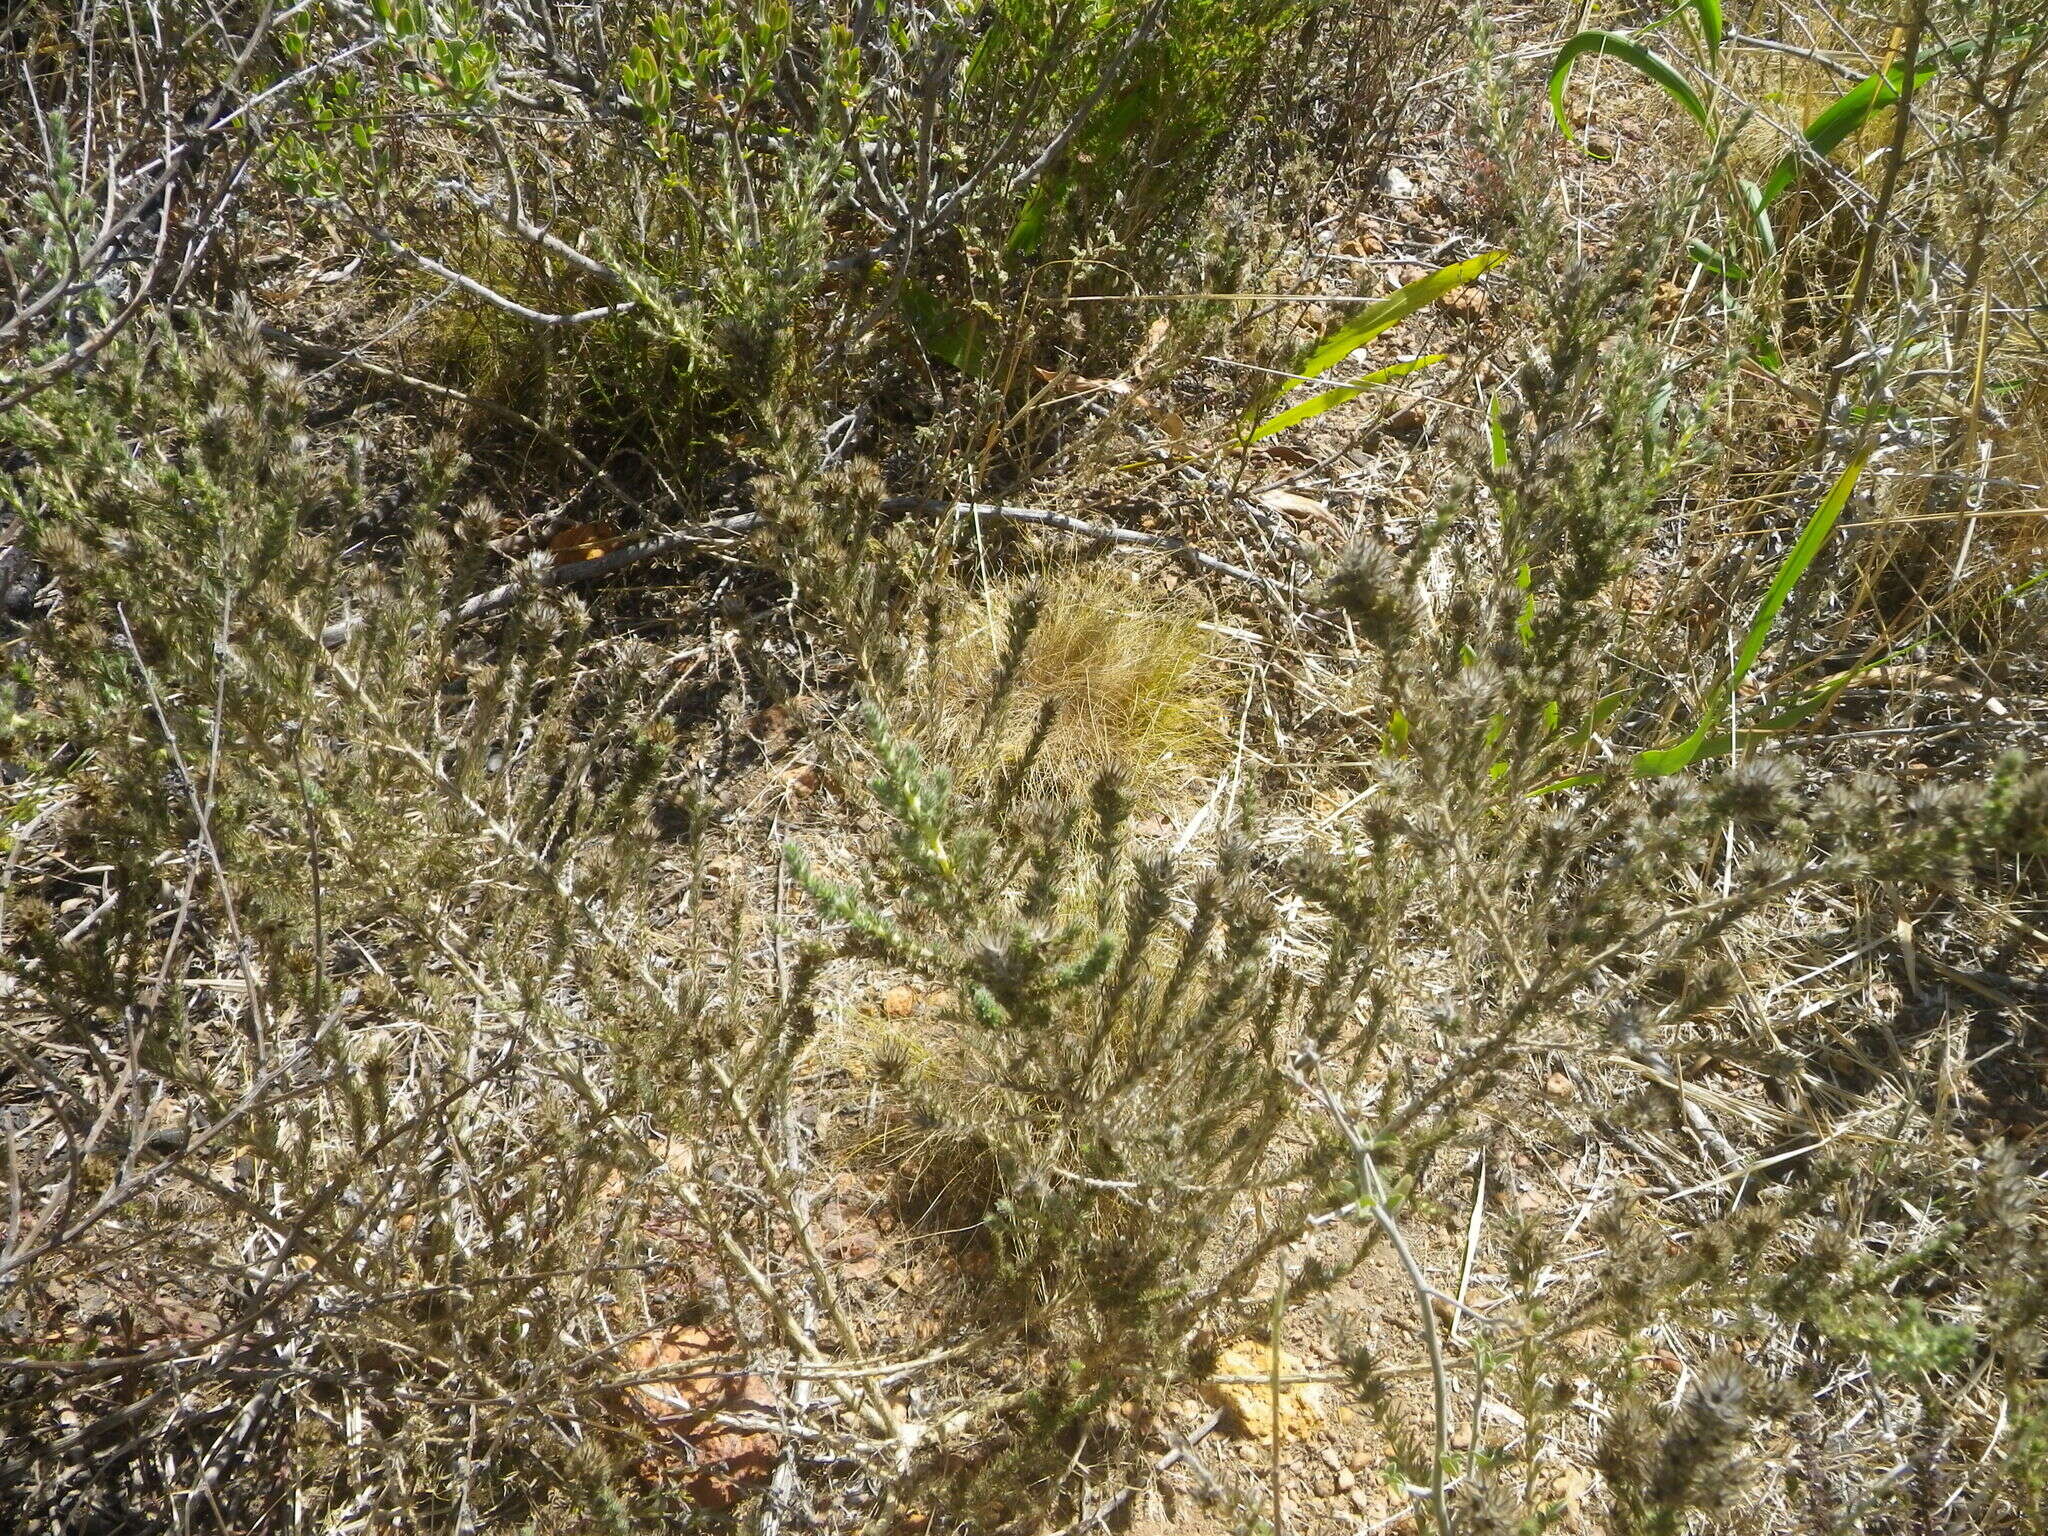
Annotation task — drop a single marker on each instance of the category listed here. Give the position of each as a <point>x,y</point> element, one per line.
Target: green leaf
<point>2024,587</point>
<point>950,333</point>
<point>1759,217</point>
<point>1658,761</point>
<point>1782,718</point>
<point>1604,709</point>
<point>1576,781</point>
<point>1631,53</point>
<point>1028,233</point>
<point>1721,266</point>
<point>1391,311</point>
<point>1841,117</point>
<point>1396,739</point>
<point>1709,13</point>
<point>1315,405</point>
<point>1811,538</point>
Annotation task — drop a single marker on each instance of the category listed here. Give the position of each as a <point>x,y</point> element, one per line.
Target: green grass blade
<point>1815,534</point>
<point>1759,212</point>
<point>1315,405</point>
<point>1783,718</point>
<point>1391,311</point>
<point>1723,267</point>
<point>1659,761</point>
<point>1631,53</point>
<point>1576,781</point>
<point>1709,13</point>
<point>1841,117</point>
<point>2024,587</point>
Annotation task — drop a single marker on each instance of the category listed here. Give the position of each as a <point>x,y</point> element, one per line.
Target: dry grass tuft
<point>1135,678</point>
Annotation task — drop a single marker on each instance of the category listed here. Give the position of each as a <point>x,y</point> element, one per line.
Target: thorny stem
<point>203,822</point>
<point>1372,1200</point>
<point>870,1401</point>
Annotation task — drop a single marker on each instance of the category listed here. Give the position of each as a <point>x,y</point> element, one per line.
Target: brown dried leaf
<point>1469,303</point>
<point>583,541</point>
<point>1293,501</point>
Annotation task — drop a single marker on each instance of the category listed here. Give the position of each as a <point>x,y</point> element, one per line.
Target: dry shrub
<point>389,1071</point>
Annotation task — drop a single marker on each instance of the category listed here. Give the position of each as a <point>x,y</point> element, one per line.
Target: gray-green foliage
<point>367,996</point>
<point>344,894</point>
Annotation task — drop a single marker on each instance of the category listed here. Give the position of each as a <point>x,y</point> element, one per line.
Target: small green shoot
<point>1659,761</point>
<point>1634,54</point>
<point>1361,328</point>
<point>1315,405</point>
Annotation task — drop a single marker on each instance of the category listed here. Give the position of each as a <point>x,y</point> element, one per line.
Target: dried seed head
<point>1754,789</point>
<point>1371,589</point>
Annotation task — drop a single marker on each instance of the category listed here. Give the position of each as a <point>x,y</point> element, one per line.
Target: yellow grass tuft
<point>1136,678</point>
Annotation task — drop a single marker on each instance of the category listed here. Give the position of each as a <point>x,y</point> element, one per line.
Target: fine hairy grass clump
<point>1142,765</point>
<point>1090,673</point>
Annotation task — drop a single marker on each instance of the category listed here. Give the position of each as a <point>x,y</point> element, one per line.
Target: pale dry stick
<point>535,235</point>
<point>112,227</point>
<point>1594,1190</point>
<point>314,859</point>
<point>200,812</point>
<point>1819,971</point>
<point>129,1185</point>
<point>1279,1313</point>
<point>166,172</point>
<point>1827,61</point>
<point>515,199</point>
<point>1184,1451</point>
<point>785,1488</point>
<point>881,1370</point>
<point>1471,1244</point>
<point>1372,1201</point>
<point>1231,490</point>
<point>1866,264</point>
<point>85,925</point>
<point>292,81</point>
<point>44,375</point>
<point>921,222</point>
<point>1722,1180</point>
<point>354,359</point>
<point>1974,497</point>
<point>504,596</point>
<point>1226,786</point>
<point>222,641</point>
<point>491,295</point>
<point>1108,533</point>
